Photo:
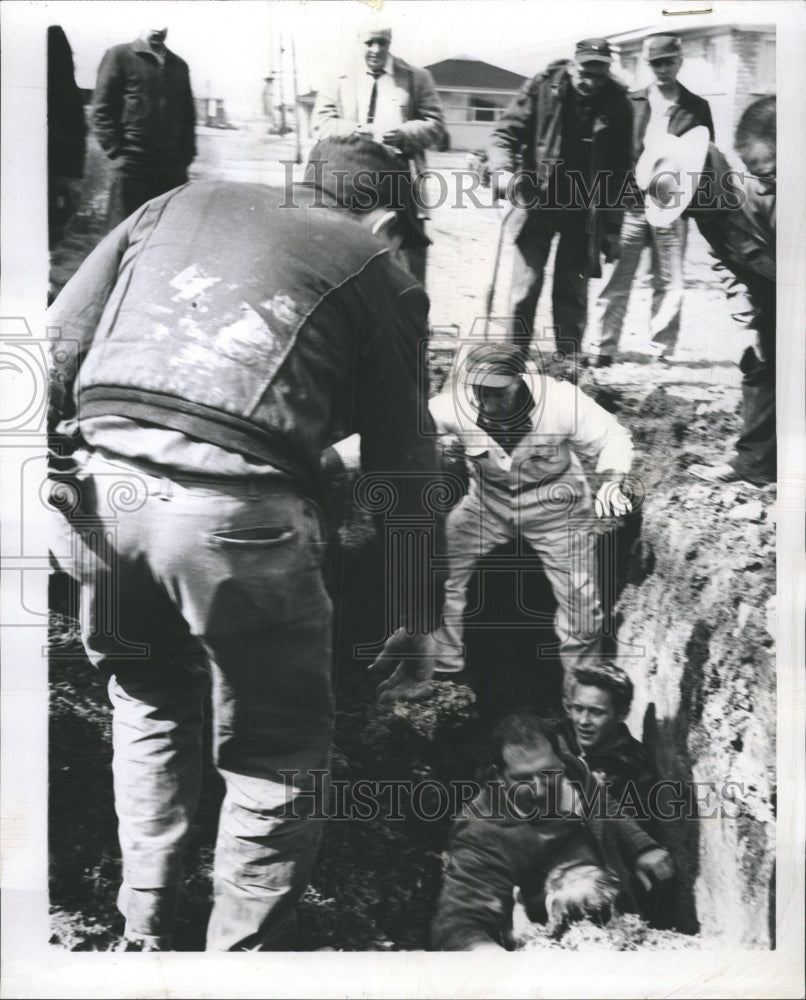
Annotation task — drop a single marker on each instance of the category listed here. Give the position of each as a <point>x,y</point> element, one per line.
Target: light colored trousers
<point>192,587</point>
<point>561,533</point>
<point>668,248</point>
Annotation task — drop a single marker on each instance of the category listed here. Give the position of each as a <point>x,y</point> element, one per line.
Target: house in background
<point>730,65</point>
<point>473,94</point>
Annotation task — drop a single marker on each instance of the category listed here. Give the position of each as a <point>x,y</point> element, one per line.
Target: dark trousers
<point>755,457</point>
<point>570,288</point>
<point>128,192</point>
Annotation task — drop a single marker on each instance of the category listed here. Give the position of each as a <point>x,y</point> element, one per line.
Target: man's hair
<point>611,678</point>
<point>576,890</point>
<point>523,729</point>
<point>757,123</point>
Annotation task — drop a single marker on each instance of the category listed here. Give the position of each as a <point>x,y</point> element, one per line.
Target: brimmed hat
<point>493,365</point>
<point>662,47</point>
<point>360,174</point>
<point>593,50</point>
<point>669,173</point>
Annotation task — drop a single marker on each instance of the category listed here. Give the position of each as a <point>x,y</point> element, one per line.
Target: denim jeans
<point>197,586</point>
<point>668,250</point>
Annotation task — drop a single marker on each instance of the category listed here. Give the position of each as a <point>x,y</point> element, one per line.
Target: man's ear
<point>384,223</point>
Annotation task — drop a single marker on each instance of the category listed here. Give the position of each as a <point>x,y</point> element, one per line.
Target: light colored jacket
<point>337,110</point>
<point>565,424</point>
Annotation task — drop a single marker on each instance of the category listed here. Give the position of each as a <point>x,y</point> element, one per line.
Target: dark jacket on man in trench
<point>493,853</point>
<point>622,762</point>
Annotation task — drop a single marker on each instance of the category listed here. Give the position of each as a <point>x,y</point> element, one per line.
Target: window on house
<point>481,110</point>
<point>765,67</point>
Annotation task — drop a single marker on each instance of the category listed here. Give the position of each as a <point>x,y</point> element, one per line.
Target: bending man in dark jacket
<point>742,241</point>
<point>145,120</point>
<point>665,107</point>
<point>561,152</point>
<point>211,348</point>
<point>522,827</point>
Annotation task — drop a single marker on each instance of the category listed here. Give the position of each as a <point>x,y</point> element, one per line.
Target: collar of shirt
<point>478,440</point>
<point>658,103</point>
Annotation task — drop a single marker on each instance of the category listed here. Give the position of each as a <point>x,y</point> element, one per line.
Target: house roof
<point>466,72</point>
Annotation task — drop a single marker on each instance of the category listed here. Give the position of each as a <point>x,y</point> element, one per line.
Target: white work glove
<point>412,657</point>
<point>610,501</point>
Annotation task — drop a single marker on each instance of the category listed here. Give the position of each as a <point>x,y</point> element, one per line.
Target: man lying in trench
<point>538,827</point>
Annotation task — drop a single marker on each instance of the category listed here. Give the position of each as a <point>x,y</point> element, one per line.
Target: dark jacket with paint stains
<point>266,328</point>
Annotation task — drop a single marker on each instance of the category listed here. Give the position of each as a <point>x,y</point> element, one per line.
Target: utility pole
<point>281,74</point>
<point>298,157</point>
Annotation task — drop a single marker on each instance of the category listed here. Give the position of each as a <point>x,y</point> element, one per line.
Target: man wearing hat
<point>392,102</point>
<point>560,153</point>
<point>523,434</point>
<point>664,108</point>
<point>211,347</point>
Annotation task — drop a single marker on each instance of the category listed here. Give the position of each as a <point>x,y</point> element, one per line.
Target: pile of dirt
<point>625,932</point>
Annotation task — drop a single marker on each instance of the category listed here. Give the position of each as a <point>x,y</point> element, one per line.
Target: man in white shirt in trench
<point>522,433</point>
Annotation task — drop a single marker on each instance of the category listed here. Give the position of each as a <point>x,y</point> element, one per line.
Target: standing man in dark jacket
<point>212,347</point>
<point>521,827</point>
<point>145,120</point>
<point>663,108</point>
<point>561,151</point>
<point>742,241</point>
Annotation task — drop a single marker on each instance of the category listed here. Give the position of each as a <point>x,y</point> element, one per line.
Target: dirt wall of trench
<point>696,633</point>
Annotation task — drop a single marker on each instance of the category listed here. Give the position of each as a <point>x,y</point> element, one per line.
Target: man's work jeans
<point>190,587</point>
<point>561,530</point>
<point>668,251</point>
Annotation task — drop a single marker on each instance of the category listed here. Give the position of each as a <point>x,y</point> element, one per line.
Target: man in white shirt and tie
<point>393,102</point>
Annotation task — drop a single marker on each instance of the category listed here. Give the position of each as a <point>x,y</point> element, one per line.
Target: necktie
<point>373,98</point>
